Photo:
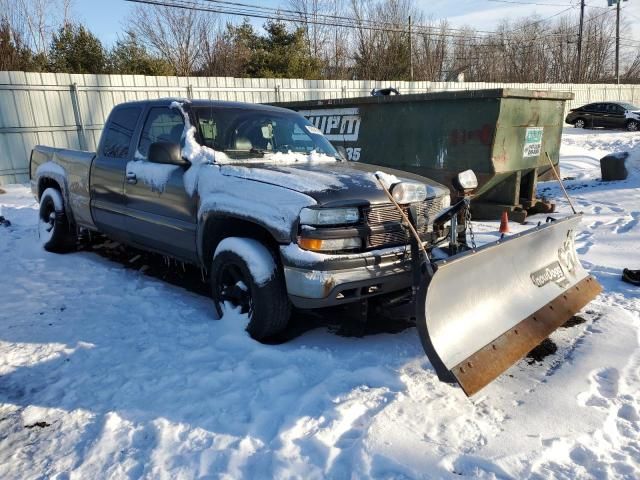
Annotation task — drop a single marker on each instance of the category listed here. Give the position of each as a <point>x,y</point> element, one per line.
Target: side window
<point>208,131</point>
<point>617,109</point>
<point>163,124</point>
<point>117,136</point>
<point>601,107</point>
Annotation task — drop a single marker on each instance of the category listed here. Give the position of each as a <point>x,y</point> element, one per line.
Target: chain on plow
<point>469,225</point>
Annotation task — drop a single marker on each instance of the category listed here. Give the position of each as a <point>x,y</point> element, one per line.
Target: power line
<point>341,22</point>
<point>233,8</point>
<point>530,3</point>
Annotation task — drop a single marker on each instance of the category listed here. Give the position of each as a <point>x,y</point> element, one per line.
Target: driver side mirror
<point>343,153</point>
<point>167,153</point>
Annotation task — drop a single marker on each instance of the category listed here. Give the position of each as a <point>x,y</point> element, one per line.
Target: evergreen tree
<point>279,53</point>
<point>74,49</point>
<point>128,56</point>
<point>14,54</point>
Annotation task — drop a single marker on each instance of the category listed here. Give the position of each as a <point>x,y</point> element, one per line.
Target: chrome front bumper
<point>327,280</point>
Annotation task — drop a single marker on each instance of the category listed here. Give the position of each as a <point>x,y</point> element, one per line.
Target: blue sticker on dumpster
<point>532,142</point>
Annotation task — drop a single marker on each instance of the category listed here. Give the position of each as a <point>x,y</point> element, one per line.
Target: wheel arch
<point>48,182</point>
<point>51,175</point>
<point>213,228</point>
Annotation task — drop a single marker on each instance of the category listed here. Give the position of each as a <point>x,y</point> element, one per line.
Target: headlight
<point>330,245</point>
<point>409,192</point>
<point>329,216</point>
<point>467,180</point>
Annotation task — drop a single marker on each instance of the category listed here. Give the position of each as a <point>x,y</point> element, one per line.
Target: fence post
<point>277,92</point>
<point>190,92</point>
<point>75,101</point>
<point>344,91</point>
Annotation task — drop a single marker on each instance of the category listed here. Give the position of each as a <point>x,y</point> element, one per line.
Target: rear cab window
<point>119,131</point>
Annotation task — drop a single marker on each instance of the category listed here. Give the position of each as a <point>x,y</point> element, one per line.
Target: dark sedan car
<point>606,114</point>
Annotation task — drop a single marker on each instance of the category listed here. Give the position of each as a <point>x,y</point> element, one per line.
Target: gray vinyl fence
<point>69,110</point>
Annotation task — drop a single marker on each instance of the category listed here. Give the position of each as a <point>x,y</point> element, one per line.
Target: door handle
<point>131,178</point>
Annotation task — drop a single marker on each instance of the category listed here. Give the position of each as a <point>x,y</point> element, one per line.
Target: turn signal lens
<point>310,243</point>
<point>329,245</point>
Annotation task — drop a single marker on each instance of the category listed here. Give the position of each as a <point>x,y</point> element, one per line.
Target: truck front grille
<point>386,217</point>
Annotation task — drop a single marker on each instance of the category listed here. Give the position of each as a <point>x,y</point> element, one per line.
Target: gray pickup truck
<point>255,195</point>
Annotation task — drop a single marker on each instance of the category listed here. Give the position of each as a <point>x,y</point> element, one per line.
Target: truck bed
<point>70,169</point>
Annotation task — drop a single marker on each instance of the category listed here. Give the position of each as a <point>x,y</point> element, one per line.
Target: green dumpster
<point>502,134</point>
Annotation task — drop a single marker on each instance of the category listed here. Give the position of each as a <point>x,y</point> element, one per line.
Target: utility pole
<point>610,3</point>
<point>410,51</point>
<point>578,76</point>
<point>618,42</point>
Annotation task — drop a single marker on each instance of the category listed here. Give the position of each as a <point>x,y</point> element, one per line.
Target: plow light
<point>467,180</point>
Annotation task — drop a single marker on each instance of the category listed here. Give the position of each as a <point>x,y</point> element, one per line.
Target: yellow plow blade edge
<point>485,309</point>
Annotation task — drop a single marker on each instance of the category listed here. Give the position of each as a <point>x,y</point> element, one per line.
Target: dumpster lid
<point>445,95</point>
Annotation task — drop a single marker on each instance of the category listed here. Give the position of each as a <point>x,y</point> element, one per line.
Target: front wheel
<point>55,232</point>
<point>633,126</point>
<point>580,123</point>
<point>246,279</point>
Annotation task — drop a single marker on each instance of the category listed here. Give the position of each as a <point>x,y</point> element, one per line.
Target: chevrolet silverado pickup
<point>255,195</point>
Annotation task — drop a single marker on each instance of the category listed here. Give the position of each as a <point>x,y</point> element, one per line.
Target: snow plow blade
<point>483,310</point>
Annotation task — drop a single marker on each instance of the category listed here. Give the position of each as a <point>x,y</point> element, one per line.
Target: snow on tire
<point>54,230</point>
<point>246,279</point>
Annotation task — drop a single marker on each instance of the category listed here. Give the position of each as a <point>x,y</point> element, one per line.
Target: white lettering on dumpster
<point>336,123</point>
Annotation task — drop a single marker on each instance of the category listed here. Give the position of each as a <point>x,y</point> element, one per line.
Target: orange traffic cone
<point>504,222</point>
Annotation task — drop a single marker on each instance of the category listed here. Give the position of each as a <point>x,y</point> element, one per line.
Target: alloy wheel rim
<point>232,287</point>
<point>47,222</point>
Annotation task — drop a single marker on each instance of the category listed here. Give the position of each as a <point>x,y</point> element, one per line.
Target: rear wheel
<point>580,123</point>
<point>246,279</point>
<point>55,232</point>
<point>633,125</point>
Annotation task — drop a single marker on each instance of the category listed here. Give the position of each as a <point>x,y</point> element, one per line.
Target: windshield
<point>629,106</point>
<point>244,133</point>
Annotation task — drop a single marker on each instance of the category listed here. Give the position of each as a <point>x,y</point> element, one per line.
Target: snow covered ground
<point>107,372</point>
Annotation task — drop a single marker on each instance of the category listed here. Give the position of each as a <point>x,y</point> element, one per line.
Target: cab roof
<point>165,102</point>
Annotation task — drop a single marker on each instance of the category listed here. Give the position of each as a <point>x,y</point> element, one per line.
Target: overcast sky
<point>106,17</point>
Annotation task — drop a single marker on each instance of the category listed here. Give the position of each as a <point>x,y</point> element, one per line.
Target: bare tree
<point>326,39</point>
<point>35,21</point>
<point>179,36</point>
<point>382,37</point>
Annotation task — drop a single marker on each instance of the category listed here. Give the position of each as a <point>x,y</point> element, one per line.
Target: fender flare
<point>54,172</point>
<point>220,216</point>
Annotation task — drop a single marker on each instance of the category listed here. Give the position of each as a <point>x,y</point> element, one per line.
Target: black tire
<point>55,231</point>
<point>633,126</point>
<point>580,123</point>
<point>266,304</point>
